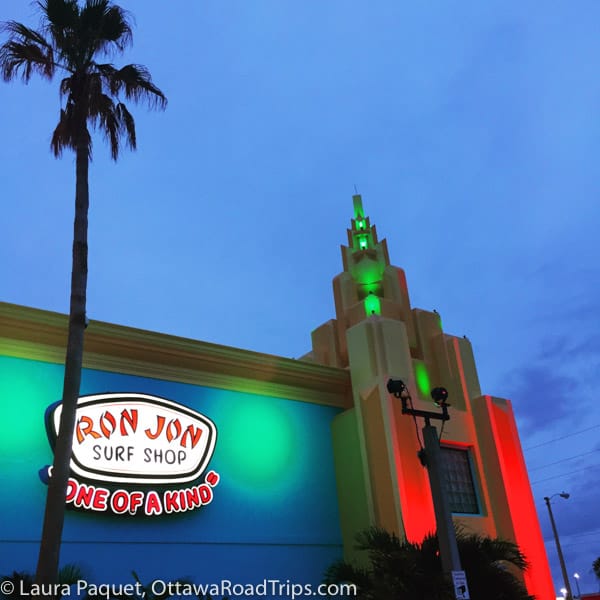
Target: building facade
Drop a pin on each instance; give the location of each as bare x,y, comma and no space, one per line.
377,335
203,461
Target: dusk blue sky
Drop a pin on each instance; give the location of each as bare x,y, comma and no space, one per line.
472,131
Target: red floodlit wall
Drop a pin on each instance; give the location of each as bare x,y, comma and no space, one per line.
520,499
415,493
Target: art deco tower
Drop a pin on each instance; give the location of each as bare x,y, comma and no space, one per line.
376,335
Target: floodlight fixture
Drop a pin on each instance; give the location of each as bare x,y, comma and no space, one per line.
440,396
396,387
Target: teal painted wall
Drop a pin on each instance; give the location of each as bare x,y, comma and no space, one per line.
275,509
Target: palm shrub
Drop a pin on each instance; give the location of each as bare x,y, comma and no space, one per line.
402,570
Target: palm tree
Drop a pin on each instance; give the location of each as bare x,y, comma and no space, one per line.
402,570
72,39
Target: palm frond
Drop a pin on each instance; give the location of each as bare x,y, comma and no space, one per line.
114,121
21,580
71,37
65,86
70,574
127,125
377,540
596,567
135,82
343,572
492,550
60,14
402,570
61,18
67,133
25,51
61,137
104,115
23,33
105,26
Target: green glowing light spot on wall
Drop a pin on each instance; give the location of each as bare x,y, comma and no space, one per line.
360,224
422,377
26,390
367,271
372,305
362,243
257,443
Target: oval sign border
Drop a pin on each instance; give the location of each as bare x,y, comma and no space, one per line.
53,414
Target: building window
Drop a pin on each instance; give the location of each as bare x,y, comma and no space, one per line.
458,479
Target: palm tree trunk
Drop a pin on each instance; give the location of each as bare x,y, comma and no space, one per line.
48,560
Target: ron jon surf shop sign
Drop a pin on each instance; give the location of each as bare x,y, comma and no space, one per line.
134,444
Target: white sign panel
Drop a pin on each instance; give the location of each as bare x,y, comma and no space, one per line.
138,438
461,589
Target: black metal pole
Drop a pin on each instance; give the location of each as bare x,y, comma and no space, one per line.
561,558
445,526
433,459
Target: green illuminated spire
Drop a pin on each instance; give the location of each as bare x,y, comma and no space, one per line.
365,258
368,290
362,235
359,212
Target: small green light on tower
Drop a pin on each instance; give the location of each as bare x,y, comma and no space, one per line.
422,378
362,243
360,224
372,305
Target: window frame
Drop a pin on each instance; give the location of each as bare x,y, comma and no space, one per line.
468,450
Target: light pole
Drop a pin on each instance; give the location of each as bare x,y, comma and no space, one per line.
576,575
561,558
432,459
